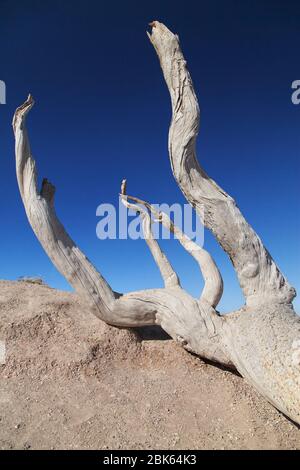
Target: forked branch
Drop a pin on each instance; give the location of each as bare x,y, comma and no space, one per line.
168,274
213,282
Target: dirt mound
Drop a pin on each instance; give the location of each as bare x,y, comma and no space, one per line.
72,382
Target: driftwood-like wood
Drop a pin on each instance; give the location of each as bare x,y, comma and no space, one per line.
259,340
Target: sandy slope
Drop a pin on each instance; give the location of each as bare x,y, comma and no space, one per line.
72,382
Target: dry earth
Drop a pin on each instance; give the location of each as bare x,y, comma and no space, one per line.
72,382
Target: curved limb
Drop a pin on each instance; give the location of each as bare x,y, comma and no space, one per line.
213,282
259,277
168,274
61,249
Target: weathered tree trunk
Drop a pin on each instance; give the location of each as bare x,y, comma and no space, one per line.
261,339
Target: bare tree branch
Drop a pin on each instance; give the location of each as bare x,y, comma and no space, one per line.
63,252
213,283
258,274
167,272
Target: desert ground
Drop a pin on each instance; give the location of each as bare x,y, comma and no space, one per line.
72,382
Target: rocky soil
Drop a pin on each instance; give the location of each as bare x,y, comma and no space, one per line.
71,382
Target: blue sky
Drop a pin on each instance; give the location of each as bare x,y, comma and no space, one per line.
102,113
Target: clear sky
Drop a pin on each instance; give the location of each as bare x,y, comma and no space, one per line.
102,113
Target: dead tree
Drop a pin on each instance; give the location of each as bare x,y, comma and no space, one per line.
261,339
